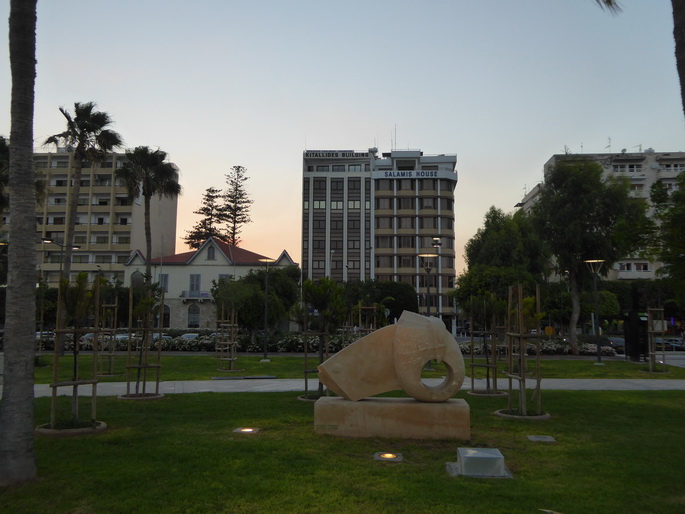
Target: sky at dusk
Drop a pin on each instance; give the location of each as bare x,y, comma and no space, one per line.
504,84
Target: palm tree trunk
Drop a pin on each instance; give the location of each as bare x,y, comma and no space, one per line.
17,458
679,36
575,313
148,242
71,216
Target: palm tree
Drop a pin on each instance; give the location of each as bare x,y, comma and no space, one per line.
17,457
4,173
89,137
678,35
147,173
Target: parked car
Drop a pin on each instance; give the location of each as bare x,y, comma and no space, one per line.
155,336
617,343
670,344
190,335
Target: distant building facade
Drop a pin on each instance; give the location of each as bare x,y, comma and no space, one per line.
187,279
108,225
642,169
367,216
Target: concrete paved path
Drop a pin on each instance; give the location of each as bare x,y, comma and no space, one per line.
296,385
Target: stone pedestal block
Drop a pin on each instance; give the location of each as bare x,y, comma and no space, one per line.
402,418
481,462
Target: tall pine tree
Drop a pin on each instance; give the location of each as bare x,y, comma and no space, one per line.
212,212
236,203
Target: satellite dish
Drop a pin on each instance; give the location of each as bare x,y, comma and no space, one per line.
623,150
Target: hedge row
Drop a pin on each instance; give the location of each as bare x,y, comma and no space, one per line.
294,342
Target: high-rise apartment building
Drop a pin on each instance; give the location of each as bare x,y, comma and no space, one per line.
108,224
368,216
642,170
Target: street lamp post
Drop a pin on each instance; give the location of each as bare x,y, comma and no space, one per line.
61,252
595,265
428,267
436,244
266,262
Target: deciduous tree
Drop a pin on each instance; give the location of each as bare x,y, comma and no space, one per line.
582,216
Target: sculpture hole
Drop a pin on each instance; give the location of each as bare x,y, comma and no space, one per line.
435,374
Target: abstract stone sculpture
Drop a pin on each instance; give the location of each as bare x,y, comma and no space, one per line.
392,358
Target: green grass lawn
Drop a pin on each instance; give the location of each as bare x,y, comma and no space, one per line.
615,452
204,367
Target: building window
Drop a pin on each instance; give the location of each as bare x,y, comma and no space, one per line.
319,204
322,168
384,203
641,266
193,316
336,225
336,245
103,259
319,224
337,206
446,204
383,261
405,242
427,203
338,167
429,223
406,222
407,203
195,283
384,242
353,244
164,282
354,204
319,244
406,184
383,222
354,167
383,185
211,253
353,224
407,261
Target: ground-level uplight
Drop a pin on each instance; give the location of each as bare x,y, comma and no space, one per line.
388,457
246,430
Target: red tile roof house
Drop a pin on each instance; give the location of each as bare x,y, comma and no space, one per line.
187,279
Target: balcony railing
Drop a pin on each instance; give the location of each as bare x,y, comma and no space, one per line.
196,294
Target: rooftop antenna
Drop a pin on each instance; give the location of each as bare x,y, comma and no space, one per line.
609,145
581,147
639,148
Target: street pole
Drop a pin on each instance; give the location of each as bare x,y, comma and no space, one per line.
595,265
266,310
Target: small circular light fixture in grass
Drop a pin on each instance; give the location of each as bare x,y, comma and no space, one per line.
388,457
246,430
